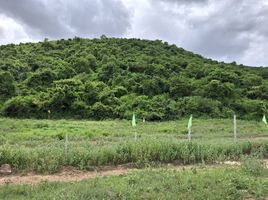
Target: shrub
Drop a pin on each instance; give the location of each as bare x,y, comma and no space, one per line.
252,165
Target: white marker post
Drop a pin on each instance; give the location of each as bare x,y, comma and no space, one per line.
134,126
66,146
189,134
235,134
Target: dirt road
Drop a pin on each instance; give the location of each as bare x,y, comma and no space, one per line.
69,174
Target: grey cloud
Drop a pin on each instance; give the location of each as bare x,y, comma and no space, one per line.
218,29
230,30
184,1
35,15
60,18
218,42
95,17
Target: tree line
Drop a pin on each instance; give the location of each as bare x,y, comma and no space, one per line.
111,77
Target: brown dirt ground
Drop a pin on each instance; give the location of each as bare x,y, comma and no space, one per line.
70,174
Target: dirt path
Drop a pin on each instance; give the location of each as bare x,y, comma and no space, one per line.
66,175
69,174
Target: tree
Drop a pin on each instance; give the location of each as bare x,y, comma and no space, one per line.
258,92
101,111
84,64
217,90
107,71
64,93
41,78
250,80
223,75
110,77
180,86
7,85
23,106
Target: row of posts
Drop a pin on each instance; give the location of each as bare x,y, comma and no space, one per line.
135,135
235,133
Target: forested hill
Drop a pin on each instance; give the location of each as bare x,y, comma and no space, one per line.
111,78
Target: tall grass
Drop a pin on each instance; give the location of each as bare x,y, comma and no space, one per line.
39,144
50,158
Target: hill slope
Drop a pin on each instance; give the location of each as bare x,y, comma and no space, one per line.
110,78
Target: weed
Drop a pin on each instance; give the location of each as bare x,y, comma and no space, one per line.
252,165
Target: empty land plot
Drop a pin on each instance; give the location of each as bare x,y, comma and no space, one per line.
39,145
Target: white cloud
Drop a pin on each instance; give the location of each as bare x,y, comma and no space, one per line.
226,30
11,31
69,18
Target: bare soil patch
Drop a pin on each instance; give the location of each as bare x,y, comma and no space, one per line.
70,174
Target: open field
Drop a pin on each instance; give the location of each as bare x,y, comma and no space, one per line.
38,145
21,131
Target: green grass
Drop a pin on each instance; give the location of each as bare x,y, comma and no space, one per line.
197,183
20,130
39,144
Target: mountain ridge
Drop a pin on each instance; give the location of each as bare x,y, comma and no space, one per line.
112,77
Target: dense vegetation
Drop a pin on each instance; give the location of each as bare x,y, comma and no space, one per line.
221,183
111,78
39,145
149,152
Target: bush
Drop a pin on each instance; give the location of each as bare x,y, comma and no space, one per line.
41,78
252,165
7,85
101,111
23,106
200,106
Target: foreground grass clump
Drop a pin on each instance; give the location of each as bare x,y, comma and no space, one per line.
253,165
220,183
51,157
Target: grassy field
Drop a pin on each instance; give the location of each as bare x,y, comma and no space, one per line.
247,182
15,130
38,145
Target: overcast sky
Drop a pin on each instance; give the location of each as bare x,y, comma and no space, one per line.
228,30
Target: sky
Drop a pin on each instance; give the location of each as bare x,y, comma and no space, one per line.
225,30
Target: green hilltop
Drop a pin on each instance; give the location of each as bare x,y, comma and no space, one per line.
111,78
